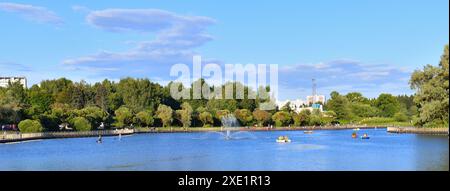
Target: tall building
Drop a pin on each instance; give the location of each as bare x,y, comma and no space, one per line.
4,81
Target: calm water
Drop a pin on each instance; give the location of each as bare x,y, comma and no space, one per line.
323,150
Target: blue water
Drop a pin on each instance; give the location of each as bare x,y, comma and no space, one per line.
322,150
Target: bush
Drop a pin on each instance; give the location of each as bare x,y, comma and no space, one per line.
401,117
81,124
30,126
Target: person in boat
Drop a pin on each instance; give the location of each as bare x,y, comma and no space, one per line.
99,140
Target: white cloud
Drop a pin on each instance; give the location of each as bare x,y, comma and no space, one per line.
31,12
12,66
343,76
176,36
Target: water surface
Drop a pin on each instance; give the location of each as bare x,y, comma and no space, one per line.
322,150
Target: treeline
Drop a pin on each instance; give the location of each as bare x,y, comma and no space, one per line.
54,105
130,101
142,103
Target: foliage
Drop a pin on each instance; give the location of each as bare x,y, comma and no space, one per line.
165,113
432,93
244,116
185,114
261,116
340,105
124,116
144,119
281,118
206,118
387,104
401,117
81,124
30,126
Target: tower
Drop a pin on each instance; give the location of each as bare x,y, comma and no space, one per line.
314,91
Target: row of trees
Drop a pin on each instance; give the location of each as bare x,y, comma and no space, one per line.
144,103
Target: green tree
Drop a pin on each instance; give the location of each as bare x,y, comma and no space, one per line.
185,114
340,105
244,116
206,118
400,116
30,126
124,116
281,118
261,116
432,93
144,119
93,114
165,113
81,124
387,104
302,118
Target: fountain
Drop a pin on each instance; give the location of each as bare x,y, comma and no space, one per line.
230,130
228,123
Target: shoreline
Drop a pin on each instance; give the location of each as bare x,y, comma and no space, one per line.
20,137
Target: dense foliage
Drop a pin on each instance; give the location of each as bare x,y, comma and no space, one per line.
432,93
30,126
143,103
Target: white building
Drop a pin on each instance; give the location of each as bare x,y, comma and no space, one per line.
4,81
315,99
299,105
296,105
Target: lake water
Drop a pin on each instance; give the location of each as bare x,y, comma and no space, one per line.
322,150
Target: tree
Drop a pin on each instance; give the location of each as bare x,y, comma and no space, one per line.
39,100
261,116
30,126
363,110
81,124
387,104
432,93
340,105
93,114
185,114
124,116
165,113
244,116
222,113
302,118
281,118
9,114
400,116
144,119
356,97
287,107
206,118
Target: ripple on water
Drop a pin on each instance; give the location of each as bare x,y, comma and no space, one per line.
301,147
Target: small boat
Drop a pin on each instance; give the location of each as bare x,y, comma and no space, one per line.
308,132
357,129
283,139
365,136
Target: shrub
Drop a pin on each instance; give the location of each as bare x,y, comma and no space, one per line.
400,116
30,126
81,124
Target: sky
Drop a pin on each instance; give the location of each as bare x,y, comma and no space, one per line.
369,46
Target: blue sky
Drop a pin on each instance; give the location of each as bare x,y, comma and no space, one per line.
348,45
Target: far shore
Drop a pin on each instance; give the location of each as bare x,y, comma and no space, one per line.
19,137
